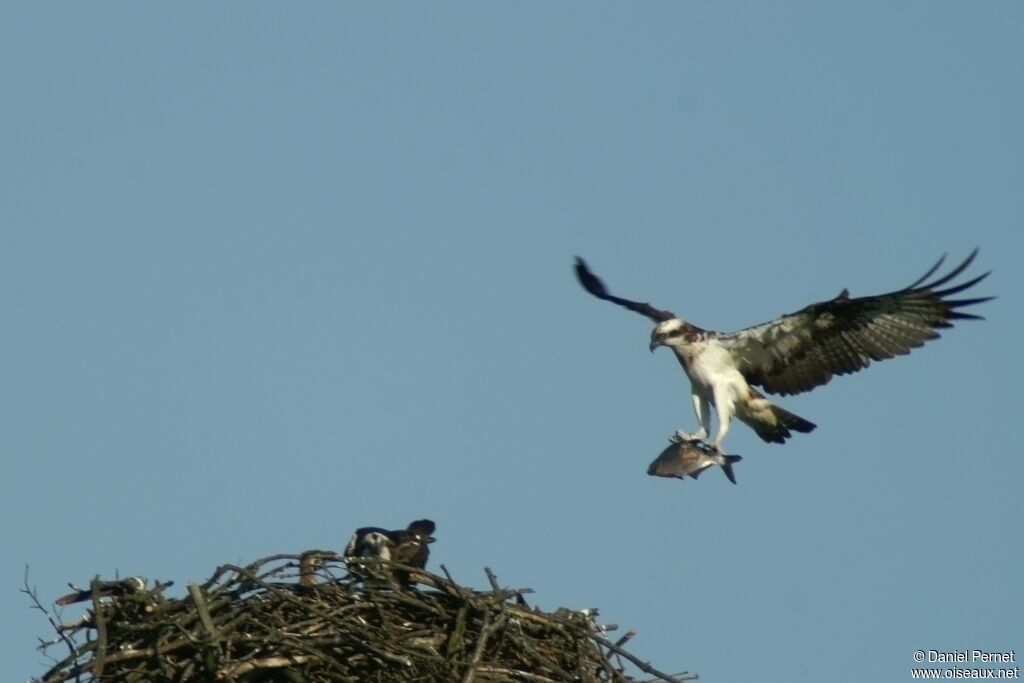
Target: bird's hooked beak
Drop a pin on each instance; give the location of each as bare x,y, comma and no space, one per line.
657,339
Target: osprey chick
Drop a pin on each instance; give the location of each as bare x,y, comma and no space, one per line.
405,546
797,352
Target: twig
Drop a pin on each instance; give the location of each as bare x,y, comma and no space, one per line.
478,651
492,578
210,643
196,593
36,604
101,629
645,666
256,619
486,630
625,638
267,663
516,674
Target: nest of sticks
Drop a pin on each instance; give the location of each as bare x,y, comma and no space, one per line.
316,618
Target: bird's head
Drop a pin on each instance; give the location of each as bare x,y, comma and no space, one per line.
374,544
423,529
668,332
134,584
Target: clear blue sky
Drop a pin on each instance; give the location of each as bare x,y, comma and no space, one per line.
271,272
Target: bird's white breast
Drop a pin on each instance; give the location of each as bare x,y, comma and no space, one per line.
708,365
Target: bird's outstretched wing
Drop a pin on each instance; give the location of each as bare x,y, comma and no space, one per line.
593,284
126,586
803,350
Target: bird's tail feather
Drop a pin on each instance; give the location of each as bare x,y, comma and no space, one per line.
775,428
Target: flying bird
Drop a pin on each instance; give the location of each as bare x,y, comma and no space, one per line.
407,546
799,351
689,458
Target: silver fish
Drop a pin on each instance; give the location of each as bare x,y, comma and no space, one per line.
683,458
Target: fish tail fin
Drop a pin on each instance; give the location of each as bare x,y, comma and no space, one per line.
726,466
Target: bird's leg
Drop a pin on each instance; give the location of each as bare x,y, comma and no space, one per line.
703,411
724,408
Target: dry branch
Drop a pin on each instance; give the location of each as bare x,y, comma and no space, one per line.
289,618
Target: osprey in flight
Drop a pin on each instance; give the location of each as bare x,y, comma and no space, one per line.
798,351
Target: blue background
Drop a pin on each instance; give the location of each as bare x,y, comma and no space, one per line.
269,272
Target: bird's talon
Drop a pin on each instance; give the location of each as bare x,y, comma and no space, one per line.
680,436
